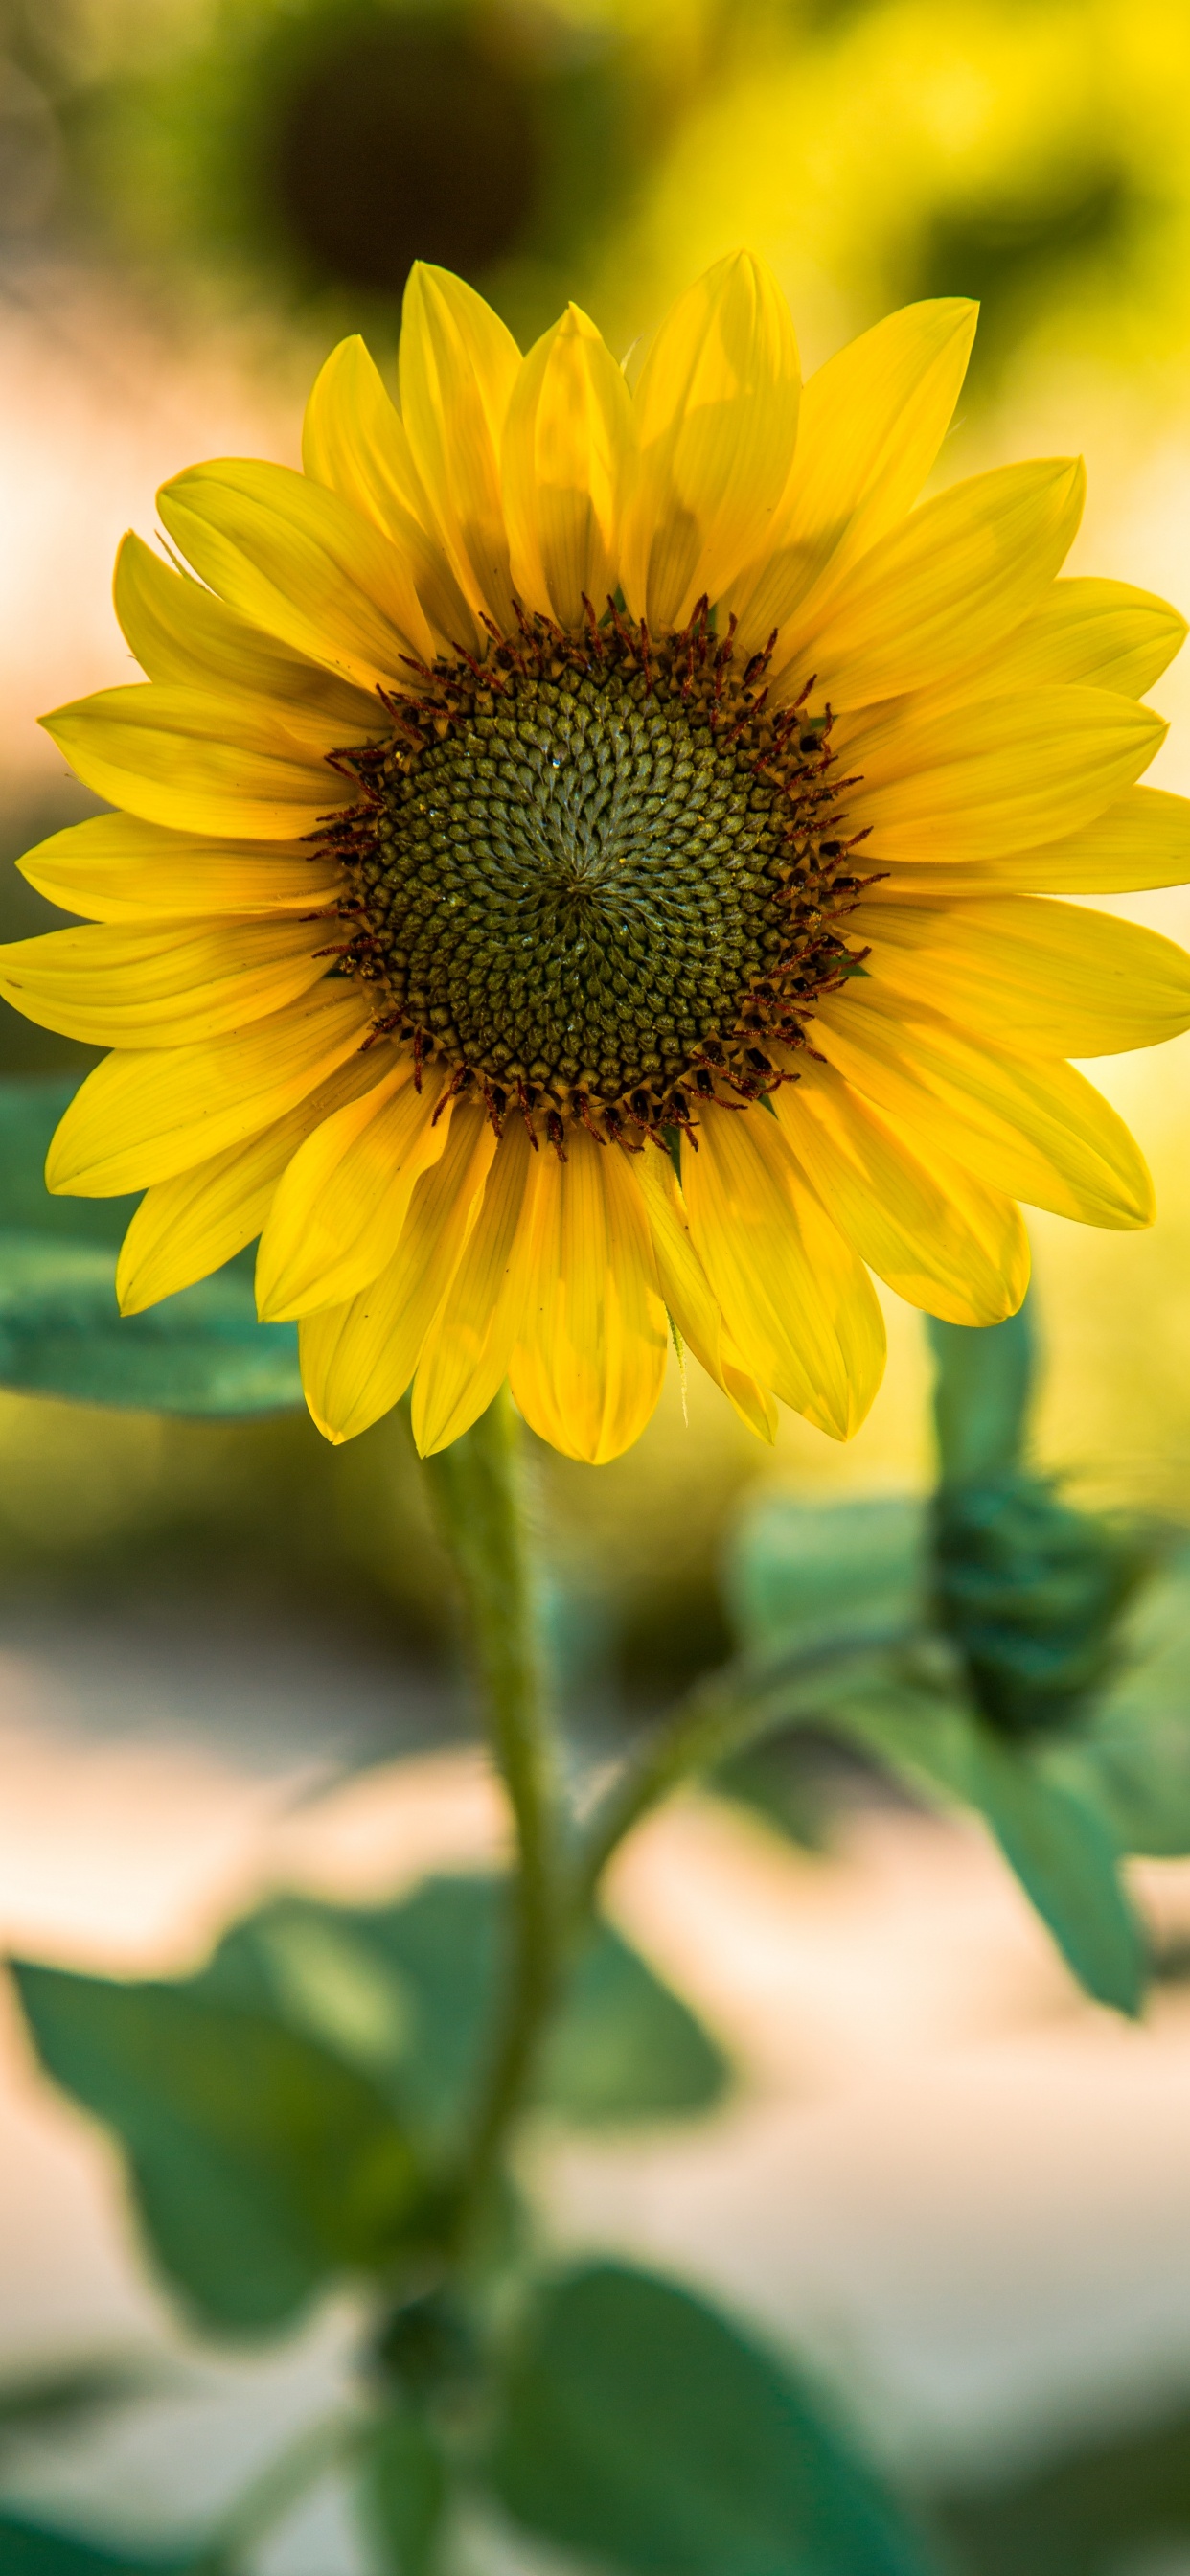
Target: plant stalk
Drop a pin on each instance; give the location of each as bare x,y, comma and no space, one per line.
271,2497
723,1715
479,1482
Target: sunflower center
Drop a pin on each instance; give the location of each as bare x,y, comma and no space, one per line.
590,873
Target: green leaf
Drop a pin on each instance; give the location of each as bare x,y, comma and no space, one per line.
802,1577
982,1392
29,2549
625,2047
200,1352
1121,2502
639,2427
403,2494
61,1331
410,1993
772,1780
1136,1746
1054,1833
29,1112
1062,1848
261,2164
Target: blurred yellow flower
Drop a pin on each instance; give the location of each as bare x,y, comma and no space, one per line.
559,788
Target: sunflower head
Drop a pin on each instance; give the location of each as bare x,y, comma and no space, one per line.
583,867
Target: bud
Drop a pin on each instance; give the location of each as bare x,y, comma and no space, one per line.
1030,1591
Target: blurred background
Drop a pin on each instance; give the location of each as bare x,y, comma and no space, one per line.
966,2191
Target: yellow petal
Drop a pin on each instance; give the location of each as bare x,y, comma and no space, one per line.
458,366
588,1367
189,1226
716,415
160,984
568,452
872,422
1103,633
355,443
299,562
691,1299
358,1359
938,1236
1029,1126
140,1117
1055,977
465,1356
799,1304
196,764
118,868
339,1210
181,633
1142,839
996,776
961,572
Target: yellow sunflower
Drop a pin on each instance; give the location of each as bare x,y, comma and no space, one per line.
584,870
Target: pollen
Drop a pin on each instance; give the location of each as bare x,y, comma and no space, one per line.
594,875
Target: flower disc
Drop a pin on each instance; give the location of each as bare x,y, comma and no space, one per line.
591,870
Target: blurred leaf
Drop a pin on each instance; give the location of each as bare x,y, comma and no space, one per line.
802,1577
625,2047
1136,1747
201,1352
61,1331
410,1992
70,2395
1052,1830
982,1389
638,2427
770,1779
403,2494
28,2549
1118,2504
261,2164
29,1112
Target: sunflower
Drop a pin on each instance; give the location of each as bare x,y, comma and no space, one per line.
585,866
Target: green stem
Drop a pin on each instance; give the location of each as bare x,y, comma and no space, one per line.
722,1715
272,2496
480,1491
717,1719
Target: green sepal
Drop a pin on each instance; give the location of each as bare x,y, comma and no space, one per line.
640,2428
1031,1593
261,2165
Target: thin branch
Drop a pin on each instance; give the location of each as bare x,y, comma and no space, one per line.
721,1716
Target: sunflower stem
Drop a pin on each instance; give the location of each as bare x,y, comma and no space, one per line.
718,1718
724,1714
479,1484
